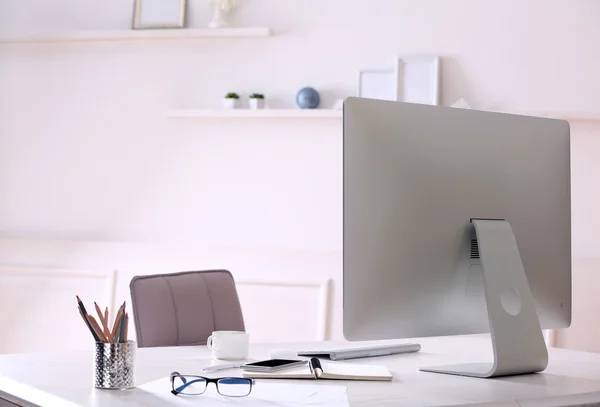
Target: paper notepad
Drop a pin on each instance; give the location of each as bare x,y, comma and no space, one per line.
318,369
158,394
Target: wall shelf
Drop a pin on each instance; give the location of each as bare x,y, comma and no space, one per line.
136,35
337,114
572,116
575,116
260,113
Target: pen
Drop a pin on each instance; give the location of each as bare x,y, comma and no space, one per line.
222,367
315,367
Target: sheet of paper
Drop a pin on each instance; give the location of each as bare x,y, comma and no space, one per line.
355,370
158,394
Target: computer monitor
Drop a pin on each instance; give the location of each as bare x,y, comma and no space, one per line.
431,194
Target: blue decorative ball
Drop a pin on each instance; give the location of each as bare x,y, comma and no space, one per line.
308,98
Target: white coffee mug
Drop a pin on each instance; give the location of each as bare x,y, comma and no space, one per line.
228,345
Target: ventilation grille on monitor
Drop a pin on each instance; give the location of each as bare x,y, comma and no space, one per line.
474,249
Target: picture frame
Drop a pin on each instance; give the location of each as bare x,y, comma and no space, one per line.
418,79
157,14
377,84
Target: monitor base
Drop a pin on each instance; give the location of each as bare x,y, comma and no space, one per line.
465,369
517,338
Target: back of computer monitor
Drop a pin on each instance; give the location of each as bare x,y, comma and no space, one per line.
413,178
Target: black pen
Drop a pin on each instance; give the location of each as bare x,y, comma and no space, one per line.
315,367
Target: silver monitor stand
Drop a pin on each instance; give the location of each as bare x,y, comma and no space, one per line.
517,338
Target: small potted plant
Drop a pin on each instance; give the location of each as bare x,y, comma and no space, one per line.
257,101
231,100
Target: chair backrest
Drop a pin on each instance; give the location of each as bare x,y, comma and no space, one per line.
179,309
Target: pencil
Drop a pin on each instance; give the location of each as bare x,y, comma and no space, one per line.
97,329
103,321
86,323
106,329
123,322
119,333
81,305
126,326
99,312
83,314
116,323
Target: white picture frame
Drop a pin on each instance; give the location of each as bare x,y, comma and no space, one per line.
377,84
156,14
418,79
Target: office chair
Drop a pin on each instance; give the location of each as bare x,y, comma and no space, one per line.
184,308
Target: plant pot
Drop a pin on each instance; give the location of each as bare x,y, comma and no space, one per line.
256,103
230,103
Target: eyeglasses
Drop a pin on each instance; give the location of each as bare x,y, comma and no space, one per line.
196,385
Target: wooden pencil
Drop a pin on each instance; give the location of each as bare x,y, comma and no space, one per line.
84,315
103,320
116,323
81,305
99,312
97,329
86,321
121,329
126,326
106,329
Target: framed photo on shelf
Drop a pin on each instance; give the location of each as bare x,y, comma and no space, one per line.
377,84
418,79
152,14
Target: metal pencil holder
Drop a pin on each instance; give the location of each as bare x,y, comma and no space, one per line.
114,365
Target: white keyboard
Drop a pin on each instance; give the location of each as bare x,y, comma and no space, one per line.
363,352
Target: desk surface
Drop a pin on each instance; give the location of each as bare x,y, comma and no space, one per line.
572,378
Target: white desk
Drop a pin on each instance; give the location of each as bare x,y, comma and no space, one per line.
572,378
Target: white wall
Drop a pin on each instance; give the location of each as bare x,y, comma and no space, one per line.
585,168
87,154
84,130
584,331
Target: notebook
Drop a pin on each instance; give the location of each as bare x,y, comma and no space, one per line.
325,370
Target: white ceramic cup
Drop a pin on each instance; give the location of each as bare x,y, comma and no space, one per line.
229,345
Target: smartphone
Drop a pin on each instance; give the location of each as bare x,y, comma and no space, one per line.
272,365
